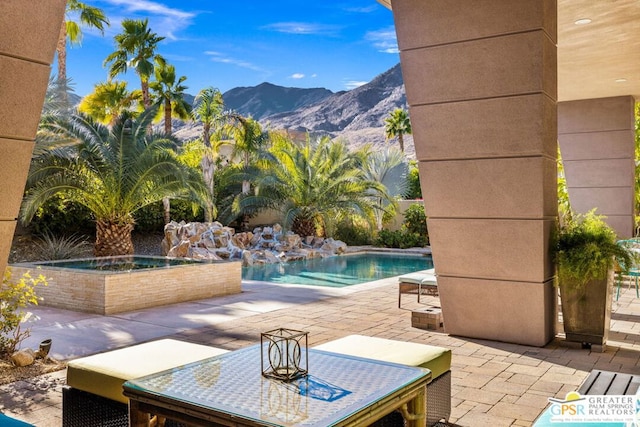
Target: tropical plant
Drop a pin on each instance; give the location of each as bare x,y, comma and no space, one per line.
207,109
136,47
389,168
313,184
109,100
52,247
170,94
14,297
413,178
72,31
564,204
249,141
112,171
586,249
397,125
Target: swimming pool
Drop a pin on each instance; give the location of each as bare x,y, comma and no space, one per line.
339,271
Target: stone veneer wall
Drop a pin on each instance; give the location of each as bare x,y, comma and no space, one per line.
597,143
28,36
481,82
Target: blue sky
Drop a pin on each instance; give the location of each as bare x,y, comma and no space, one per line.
225,44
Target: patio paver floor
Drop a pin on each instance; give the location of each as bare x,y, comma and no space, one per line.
494,384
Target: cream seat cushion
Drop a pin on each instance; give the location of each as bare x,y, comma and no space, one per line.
436,359
103,374
426,277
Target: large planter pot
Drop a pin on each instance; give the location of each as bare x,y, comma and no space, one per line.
586,310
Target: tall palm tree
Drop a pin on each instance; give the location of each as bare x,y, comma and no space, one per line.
170,93
72,31
113,172
313,184
108,101
136,46
398,125
207,109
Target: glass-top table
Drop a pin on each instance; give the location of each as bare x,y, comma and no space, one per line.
229,389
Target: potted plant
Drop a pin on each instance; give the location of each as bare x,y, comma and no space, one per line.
586,253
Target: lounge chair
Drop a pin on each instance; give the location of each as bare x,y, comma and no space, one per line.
420,283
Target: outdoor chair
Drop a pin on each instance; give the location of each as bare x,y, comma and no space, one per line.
634,272
420,283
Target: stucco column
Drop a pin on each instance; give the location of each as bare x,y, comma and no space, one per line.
597,143
481,84
28,35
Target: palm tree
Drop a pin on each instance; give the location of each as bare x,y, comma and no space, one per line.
313,184
113,172
136,46
207,109
170,93
70,30
249,141
397,125
389,168
108,101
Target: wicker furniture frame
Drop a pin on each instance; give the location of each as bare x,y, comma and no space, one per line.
241,397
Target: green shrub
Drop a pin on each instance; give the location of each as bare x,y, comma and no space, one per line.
14,297
150,219
413,232
413,178
353,234
415,220
399,239
59,216
51,247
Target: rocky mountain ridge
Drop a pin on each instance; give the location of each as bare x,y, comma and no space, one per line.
356,116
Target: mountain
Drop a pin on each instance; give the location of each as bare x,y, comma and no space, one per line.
356,116
267,99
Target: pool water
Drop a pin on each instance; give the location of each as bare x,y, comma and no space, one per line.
339,271
118,263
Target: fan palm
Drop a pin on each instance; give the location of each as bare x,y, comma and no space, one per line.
113,172
313,184
389,168
71,30
397,125
136,46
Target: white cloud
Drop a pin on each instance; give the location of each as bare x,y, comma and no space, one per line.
364,9
224,59
383,40
352,84
165,21
314,75
301,28
297,76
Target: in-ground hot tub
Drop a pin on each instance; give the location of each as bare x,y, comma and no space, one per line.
116,284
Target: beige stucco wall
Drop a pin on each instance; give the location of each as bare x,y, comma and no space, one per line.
597,143
28,36
482,86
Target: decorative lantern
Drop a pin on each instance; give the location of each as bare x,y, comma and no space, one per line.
281,354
